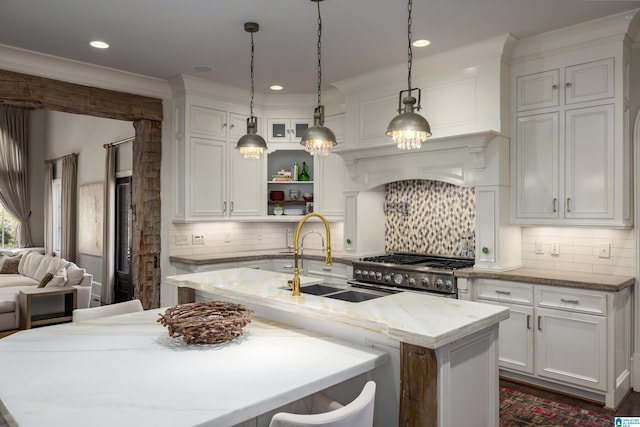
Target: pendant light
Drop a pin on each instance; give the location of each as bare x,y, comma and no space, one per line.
318,139
251,145
409,129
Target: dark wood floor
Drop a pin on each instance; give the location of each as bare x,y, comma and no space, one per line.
630,406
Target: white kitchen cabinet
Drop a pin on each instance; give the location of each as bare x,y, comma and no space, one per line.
287,130
568,151
213,180
571,339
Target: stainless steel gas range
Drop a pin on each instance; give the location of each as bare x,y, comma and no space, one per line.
410,271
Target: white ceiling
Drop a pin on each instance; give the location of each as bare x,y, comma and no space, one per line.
165,38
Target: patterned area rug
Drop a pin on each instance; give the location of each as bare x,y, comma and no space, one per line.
520,409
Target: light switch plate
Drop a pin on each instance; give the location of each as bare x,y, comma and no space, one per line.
182,239
604,250
539,247
197,239
555,248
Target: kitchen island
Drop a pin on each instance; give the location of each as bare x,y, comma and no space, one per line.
444,352
126,371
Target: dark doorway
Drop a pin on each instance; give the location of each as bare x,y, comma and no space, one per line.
123,288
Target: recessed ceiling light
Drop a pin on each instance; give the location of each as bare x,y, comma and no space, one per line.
203,68
421,43
99,44
276,87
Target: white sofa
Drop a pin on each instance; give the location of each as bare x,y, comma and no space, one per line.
32,268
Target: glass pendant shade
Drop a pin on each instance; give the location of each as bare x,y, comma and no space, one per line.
251,145
318,139
409,129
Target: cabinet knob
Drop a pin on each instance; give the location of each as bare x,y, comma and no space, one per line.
568,84
554,87
555,204
568,204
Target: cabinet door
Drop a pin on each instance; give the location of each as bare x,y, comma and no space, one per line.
538,90
329,197
516,338
245,184
207,178
238,126
537,148
589,165
571,347
208,122
286,130
589,82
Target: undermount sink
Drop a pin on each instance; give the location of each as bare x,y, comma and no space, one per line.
343,294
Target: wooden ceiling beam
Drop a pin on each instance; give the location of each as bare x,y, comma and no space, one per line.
40,92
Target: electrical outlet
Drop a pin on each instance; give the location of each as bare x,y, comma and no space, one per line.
227,237
604,250
197,239
555,248
539,247
182,239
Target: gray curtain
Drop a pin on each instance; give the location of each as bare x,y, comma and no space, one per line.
108,240
48,208
69,208
14,172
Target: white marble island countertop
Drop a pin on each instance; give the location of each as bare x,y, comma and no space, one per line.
423,320
126,371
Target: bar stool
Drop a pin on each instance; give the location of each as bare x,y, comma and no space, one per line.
358,413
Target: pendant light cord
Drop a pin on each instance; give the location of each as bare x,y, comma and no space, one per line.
252,86
319,53
410,62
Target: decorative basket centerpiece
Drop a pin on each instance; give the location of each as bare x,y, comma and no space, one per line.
212,322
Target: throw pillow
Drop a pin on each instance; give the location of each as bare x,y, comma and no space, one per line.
59,279
45,279
74,274
10,264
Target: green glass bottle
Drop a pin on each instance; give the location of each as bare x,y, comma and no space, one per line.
304,174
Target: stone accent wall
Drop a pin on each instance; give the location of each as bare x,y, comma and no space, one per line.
438,215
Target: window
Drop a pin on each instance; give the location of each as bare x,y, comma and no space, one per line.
8,226
56,204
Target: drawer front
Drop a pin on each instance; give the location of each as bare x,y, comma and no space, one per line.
500,290
569,300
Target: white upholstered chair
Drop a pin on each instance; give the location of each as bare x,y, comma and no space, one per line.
81,314
358,413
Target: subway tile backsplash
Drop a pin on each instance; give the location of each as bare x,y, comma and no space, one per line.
225,237
579,249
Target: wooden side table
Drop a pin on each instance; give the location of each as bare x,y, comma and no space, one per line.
27,296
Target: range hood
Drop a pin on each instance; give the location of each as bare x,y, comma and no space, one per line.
471,160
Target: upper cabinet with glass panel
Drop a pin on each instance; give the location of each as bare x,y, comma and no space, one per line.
287,130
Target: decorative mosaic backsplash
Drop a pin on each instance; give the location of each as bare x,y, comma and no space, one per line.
437,215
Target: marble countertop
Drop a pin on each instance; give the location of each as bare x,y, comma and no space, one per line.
201,259
601,282
126,370
420,319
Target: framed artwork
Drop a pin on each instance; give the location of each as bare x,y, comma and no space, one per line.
90,218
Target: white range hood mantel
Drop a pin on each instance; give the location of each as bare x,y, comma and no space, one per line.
475,144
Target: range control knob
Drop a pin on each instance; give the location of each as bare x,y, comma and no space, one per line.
448,285
379,277
397,279
412,282
365,273
425,282
387,278
372,274
358,272
439,284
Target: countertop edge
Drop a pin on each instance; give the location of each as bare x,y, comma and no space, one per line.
594,281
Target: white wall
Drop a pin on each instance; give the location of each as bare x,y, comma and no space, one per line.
63,133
